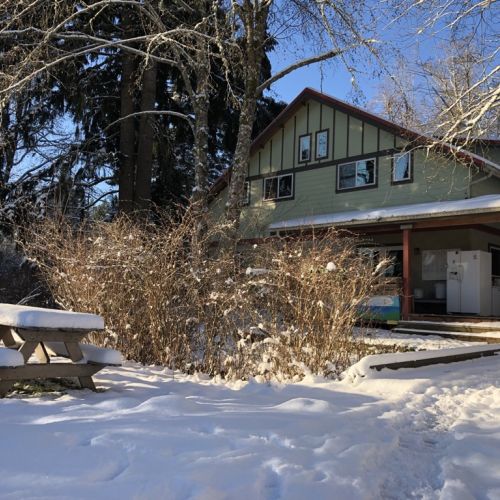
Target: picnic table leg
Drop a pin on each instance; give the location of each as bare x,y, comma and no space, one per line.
26,350
5,386
7,337
75,354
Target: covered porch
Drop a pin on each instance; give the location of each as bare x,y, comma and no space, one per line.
419,238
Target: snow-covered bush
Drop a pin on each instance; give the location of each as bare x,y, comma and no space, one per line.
287,308
304,306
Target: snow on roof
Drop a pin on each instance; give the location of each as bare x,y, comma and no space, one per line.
489,203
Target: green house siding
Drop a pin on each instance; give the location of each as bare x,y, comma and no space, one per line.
340,135
482,185
350,138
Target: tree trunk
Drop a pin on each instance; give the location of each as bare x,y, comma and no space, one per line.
127,137
255,20
144,170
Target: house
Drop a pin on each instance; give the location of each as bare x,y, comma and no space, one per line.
326,163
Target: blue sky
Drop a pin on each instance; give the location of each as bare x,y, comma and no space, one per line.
333,80
403,38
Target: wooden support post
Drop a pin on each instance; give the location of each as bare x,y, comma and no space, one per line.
407,295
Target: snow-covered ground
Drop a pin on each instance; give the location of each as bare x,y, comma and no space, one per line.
431,432
379,336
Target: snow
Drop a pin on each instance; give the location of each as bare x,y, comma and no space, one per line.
363,368
37,317
431,432
487,203
256,271
487,325
387,337
9,358
91,353
331,267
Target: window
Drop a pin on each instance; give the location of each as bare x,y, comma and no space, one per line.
245,198
356,174
279,187
304,148
495,260
376,254
321,144
401,168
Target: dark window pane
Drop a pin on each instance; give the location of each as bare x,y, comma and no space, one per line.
245,199
285,186
495,261
365,172
396,267
347,176
270,188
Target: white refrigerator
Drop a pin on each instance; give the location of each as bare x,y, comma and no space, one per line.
468,282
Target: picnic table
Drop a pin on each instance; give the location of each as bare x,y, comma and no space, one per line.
49,334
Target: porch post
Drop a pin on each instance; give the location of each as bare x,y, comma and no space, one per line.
407,295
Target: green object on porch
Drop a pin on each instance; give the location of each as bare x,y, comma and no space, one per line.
382,308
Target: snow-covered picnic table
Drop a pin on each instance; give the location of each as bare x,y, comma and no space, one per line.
48,332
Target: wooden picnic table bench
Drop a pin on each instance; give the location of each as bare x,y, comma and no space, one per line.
47,333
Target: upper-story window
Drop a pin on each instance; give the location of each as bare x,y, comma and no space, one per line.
279,187
321,144
357,174
304,148
402,168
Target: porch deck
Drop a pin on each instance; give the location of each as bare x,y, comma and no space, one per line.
472,328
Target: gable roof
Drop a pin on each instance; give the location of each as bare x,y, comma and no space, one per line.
309,93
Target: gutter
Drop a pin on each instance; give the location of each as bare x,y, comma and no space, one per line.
369,222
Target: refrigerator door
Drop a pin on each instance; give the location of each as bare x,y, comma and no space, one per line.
453,281
471,281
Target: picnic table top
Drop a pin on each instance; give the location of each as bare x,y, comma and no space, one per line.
37,317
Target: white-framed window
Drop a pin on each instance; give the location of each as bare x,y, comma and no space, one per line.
356,174
304,148
322,144
402,167
245,197
279,187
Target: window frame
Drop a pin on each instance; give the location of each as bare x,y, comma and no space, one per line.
495,248
374,184
278,197
310,148
245,200
393,167
327,131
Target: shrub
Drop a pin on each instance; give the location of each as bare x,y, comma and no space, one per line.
289,310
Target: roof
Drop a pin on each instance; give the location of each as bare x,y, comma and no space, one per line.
309,93
400,213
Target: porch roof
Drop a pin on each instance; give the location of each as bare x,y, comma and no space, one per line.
400,213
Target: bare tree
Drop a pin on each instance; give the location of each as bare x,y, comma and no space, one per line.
463,84
335,29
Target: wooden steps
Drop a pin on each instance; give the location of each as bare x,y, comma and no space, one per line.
478,331
426,358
